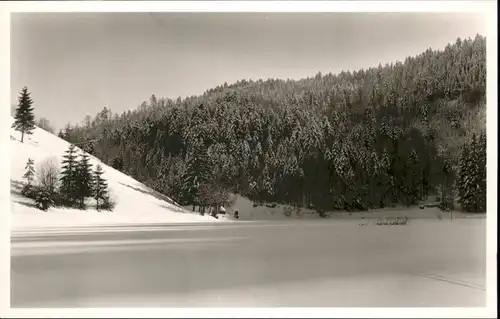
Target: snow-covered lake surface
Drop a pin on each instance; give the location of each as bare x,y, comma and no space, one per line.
427,263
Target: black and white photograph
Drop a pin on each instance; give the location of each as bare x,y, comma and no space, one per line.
238,159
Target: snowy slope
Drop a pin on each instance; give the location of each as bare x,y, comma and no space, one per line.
136,203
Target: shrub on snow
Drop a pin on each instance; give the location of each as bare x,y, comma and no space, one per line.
43,198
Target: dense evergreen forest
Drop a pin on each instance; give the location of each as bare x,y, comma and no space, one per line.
392,134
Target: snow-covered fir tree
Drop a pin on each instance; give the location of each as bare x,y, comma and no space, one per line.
24,118
100,187
30,171
69,184
84,178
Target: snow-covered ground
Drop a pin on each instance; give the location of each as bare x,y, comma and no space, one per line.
248,212
135,202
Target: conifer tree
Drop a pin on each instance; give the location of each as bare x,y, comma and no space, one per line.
447,188
30,171
473,173
43,198
69,182
413,182
24,119
191,183
481,177
463,177
197,172
117,162
100,186
84,178
29,175
472,178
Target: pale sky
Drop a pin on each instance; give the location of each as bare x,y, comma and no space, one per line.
76,63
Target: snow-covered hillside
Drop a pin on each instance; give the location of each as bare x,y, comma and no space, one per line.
135,202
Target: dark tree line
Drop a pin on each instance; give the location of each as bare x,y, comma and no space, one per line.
356,140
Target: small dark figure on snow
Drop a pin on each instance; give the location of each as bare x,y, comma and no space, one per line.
236,215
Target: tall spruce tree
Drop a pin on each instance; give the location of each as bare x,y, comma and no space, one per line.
481,177
84,178
472,178
463,180
100,186
69,176
447,185
412,182
473,172
24,119
197,172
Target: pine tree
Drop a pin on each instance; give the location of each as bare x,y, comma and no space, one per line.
29,175
473,173
472,179
89,147
197,173
24,119
69,181
60,134
30,171
412,181
463,177
117,162
481,177
190,184
100,186
43,198
84,178
447,183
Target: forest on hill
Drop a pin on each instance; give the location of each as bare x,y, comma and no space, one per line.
391,134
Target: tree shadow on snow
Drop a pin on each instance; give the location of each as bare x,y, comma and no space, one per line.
27,204
175,209
16,187
151,192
